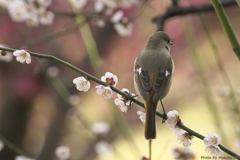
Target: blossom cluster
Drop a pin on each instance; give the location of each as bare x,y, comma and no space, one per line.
22,56
35,12
182,136
32,12
110,8
82,84
211,140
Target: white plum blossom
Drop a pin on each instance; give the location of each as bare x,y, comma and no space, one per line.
5,55
22,158
142,116
40,3
98,6
126,101
212,139
7,58
121,105
211,142
46,18
117,16
123,28
32,12
104,6
36,7
110,79
78,4
104,149
122,102
184,138
82,84
32,20
18,11
173,119
62,152
106,92
22,56
213,150
100,128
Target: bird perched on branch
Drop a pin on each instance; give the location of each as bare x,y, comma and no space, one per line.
153,70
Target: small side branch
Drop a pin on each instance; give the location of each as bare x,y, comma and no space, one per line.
181,11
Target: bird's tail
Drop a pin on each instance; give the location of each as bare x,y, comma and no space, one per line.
150,127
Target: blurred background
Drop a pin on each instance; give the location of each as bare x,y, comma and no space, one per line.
41,109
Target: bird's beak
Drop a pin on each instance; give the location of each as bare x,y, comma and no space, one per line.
171,43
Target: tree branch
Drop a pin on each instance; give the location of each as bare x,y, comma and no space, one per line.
181,11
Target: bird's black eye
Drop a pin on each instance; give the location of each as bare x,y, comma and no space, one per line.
169,42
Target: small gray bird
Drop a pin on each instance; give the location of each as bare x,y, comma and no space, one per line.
153,70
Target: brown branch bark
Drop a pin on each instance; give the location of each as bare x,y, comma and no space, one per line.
181,11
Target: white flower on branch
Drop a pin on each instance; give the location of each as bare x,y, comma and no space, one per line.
110,79
5,55
18,11
78,4
214,150
22,56
121,105
184,138
82,84
126,101
122,102
124,28
212,139
106,92
117,16
173,119
35,6
100,128
211,142
142,116
46,18
62,152
104,6
32,20
22,158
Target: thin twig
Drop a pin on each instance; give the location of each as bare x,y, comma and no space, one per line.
49,37
14,147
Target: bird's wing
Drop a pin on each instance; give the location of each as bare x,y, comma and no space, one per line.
162,84
142,79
